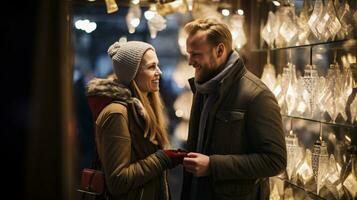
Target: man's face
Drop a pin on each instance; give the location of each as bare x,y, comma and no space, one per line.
202,56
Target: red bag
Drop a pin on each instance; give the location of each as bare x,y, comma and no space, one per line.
92,184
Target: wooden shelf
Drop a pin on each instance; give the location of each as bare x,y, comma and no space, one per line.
304,45
351,126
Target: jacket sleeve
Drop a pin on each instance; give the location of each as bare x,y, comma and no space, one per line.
266,140
114,143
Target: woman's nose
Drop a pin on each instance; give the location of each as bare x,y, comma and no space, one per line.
158,71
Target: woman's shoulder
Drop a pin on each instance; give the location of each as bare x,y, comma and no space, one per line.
119,107
114,108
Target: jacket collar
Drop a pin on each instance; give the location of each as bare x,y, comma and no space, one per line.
101,92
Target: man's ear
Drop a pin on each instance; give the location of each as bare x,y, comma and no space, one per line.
220,49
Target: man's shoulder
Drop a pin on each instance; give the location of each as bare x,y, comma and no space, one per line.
250,86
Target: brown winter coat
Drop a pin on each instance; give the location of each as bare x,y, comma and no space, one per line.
244,139
132,170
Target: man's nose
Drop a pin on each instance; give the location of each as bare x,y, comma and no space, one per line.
190,61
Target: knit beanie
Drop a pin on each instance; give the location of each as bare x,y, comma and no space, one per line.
126,57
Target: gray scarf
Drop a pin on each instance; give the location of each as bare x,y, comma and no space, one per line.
210,86
209,89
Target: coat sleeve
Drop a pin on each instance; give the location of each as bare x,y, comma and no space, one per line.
266,139
114,143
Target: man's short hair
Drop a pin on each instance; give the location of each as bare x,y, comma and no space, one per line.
216,31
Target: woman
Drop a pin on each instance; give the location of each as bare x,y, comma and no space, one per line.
130,124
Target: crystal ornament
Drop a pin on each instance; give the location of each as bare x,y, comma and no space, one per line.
268,76
156,23
315,16
302,23
293,151
304,172
320,160
236,23
133,17
270,30
310,81
331,183
288,27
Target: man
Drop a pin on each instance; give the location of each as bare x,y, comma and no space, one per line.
235,136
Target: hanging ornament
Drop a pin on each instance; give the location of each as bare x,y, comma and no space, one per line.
331,183
319,160
156,23
315,16
274,195
271,29
236,23
310,82
111,6
301,102
288,29
302,22
291,95
349,175
133,17
328,25
268,76
178,6
294,153
304,171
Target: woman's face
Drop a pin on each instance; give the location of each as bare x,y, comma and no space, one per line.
149,73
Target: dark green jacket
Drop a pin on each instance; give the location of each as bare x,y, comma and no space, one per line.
244,139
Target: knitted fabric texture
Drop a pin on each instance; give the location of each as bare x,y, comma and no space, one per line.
126,57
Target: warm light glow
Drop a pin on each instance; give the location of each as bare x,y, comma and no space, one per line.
318,56
149,14
135,22
348,138
123,39
135,2
276,3
190,4
225,12
240,12
85,25
179,113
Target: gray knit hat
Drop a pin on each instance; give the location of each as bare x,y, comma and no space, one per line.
126,58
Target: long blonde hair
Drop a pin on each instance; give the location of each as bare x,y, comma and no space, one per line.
155,117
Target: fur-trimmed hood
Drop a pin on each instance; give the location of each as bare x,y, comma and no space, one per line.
101,92
108,88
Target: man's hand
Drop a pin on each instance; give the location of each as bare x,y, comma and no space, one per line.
197,164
